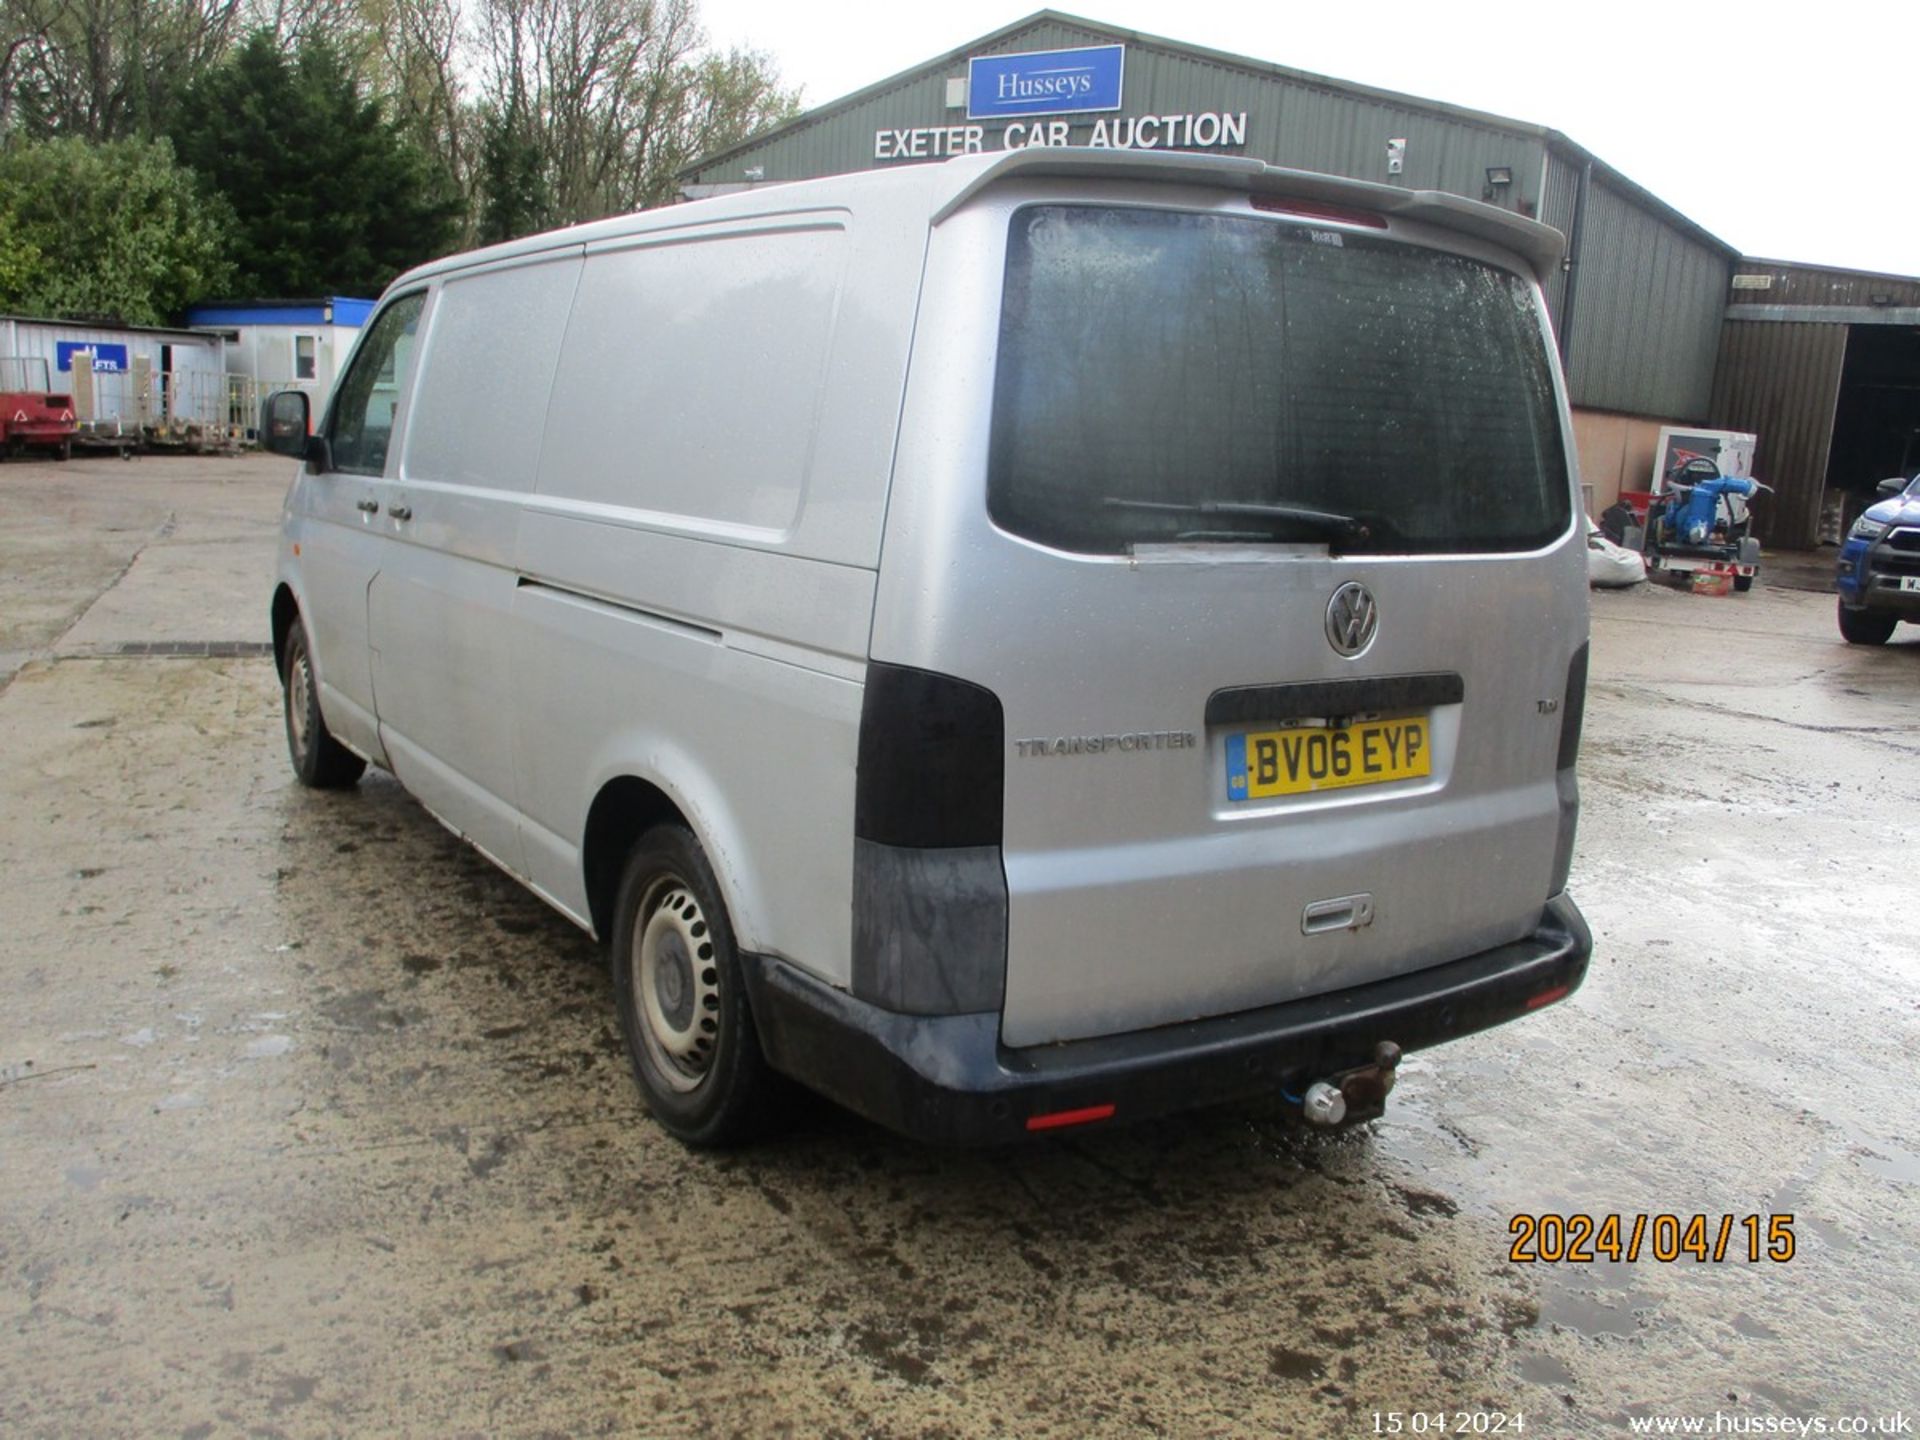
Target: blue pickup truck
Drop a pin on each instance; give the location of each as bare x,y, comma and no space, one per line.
1879,579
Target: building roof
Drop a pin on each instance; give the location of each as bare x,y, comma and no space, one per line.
68,323
1258,69
320,310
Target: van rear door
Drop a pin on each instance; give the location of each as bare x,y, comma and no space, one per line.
1265,543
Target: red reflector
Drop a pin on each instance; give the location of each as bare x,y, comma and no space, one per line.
1314,210
1058,1118
1547,997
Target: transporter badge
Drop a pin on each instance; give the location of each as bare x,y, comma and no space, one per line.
1352,619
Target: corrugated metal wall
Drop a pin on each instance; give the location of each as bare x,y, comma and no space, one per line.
1290,121
1648,301
1804,285
1781,381
189,353
1646,311
1559,197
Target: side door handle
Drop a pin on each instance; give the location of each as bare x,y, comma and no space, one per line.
400,512
371,507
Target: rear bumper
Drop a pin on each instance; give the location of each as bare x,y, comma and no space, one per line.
949,1080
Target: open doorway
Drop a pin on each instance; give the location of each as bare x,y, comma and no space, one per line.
1876,423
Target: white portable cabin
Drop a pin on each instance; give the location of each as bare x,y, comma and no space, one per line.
286,344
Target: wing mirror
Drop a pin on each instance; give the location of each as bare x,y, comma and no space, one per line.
289,419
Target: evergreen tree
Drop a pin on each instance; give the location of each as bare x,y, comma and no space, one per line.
330,198
512,182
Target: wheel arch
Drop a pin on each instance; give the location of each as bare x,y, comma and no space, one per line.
623,810
285,611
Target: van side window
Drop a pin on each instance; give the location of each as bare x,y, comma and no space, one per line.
361,425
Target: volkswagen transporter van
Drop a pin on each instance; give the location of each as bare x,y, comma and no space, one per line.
1028,641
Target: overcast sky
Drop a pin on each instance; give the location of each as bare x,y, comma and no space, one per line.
1789,132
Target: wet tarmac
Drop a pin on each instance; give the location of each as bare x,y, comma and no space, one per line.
311,1123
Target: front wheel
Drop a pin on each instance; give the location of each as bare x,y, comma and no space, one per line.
1865,627
682,998
320,761
1742,584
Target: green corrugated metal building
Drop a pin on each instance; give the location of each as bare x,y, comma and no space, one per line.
1639,303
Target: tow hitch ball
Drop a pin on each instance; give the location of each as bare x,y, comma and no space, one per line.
1353,1095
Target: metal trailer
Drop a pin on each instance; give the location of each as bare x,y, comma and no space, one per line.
32,412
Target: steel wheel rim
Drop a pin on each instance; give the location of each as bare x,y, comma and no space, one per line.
674,971
299,698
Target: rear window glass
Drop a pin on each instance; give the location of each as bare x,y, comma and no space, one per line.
1169,378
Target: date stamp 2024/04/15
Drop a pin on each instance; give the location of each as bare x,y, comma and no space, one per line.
1576,1239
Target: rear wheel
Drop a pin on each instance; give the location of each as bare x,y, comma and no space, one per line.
319,760
682,998
1742,584
1865,627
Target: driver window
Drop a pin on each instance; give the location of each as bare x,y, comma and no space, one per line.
362,422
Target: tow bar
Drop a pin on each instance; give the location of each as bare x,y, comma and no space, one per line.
1352,1095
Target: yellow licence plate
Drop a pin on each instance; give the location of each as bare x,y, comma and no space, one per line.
1306,758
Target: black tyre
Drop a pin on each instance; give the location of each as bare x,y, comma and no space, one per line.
1864,627
683,1002
319,760
1742,584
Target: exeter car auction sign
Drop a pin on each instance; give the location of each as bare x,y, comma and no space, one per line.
1208,130
1042,84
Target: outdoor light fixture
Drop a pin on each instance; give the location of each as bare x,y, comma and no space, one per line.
756,172
1498,178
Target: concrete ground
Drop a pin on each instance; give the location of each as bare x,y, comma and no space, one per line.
311,1123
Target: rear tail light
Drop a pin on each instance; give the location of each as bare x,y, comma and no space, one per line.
929,887
1315,210
933,759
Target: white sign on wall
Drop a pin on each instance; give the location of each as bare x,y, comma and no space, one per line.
1205,130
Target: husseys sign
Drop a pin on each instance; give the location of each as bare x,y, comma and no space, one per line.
1052,82
1019,94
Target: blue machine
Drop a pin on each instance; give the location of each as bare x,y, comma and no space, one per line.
1693,520
1700,524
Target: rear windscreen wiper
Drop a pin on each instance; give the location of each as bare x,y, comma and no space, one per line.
1328,523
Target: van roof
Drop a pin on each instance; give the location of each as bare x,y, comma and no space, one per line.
937,190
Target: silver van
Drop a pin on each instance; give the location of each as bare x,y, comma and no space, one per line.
1022,642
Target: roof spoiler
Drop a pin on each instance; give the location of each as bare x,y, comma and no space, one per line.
1540,245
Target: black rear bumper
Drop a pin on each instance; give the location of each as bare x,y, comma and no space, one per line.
949,1080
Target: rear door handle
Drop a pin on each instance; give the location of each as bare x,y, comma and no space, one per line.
400,512
372,507
1347,912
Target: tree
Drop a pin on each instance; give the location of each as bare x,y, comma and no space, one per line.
513,190
329,196
417,65
593,105
116,230
105,69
